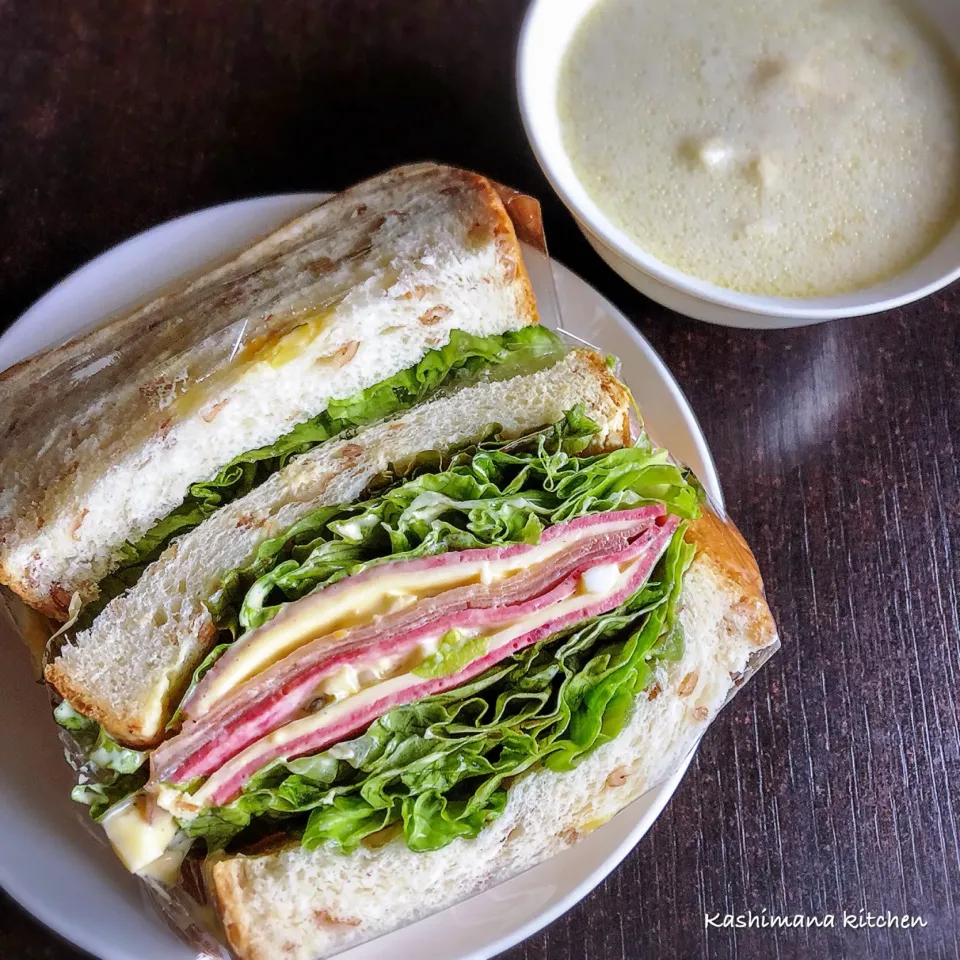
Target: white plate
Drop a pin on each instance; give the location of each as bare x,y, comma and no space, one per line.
53,864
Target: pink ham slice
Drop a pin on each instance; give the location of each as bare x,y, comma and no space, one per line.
201,743
227,783
276,698
625,523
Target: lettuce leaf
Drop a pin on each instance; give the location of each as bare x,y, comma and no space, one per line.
440,768
107,771
498,492
517,351
453,653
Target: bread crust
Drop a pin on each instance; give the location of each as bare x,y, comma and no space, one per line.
617,432
227,897
123,727
49,604
724,566
720,542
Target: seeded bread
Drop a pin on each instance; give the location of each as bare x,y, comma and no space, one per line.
102,437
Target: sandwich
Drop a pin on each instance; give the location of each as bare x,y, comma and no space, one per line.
416,657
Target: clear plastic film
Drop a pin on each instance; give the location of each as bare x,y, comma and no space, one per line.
33,628
528,222
196,340
527,219
187,910
715,532
186,906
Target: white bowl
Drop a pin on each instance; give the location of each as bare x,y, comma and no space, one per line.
549,26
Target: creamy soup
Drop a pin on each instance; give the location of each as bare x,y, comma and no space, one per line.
782,147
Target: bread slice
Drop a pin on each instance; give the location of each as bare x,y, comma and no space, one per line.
130,668
102,437
304,905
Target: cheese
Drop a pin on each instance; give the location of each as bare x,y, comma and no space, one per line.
291,345
285,340
341,684
166,868
610,579
327,611
139,831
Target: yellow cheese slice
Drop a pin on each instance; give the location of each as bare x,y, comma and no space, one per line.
139,839
598,582
328,611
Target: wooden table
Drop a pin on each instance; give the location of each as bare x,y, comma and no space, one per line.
832,784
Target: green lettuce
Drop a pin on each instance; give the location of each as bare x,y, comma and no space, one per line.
440,768
494,493
108,772
453,653
464,355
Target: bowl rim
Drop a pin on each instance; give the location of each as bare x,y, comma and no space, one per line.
592,219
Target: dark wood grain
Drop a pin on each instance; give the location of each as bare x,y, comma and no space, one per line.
833,782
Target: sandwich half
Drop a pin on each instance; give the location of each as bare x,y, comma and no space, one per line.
412,663
122,440
287,899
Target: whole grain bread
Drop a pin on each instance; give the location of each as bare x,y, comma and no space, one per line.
103,436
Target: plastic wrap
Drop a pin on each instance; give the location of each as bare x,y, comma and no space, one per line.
186,908
205,335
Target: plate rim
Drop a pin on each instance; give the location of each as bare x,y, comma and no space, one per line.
82,937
